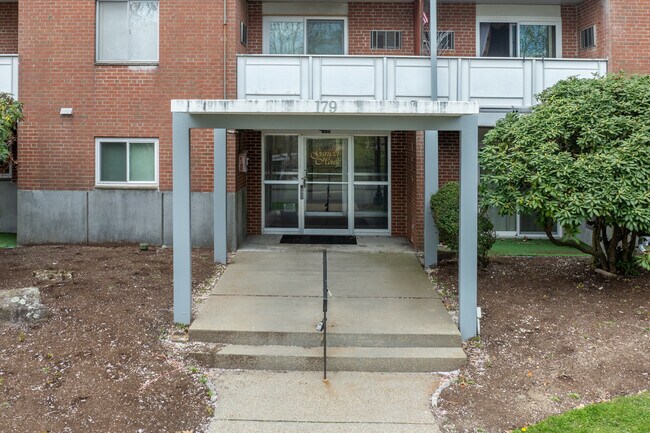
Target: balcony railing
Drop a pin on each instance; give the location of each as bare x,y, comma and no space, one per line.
492,82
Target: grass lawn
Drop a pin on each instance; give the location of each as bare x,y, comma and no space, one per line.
531,247
629,414
7,240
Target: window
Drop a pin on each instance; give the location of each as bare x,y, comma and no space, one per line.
512,39
446,40
301,35
5,170
588,37
243,33
122,162
371,183
127,31
385,39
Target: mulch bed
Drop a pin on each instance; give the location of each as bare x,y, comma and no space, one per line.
554,336
98,363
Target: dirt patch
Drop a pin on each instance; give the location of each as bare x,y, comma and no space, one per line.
100,362
554,336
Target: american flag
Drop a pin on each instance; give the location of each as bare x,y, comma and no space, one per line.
425,19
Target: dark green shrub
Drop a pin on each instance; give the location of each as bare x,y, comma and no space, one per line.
445,208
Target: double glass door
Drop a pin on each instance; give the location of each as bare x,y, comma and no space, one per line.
321,184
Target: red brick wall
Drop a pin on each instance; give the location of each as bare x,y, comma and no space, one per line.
622,33
448,157
448,171
9,28
589,13
400,147
255,27
461,19
415,189
113,101
252,141
570,36
365,16
629,23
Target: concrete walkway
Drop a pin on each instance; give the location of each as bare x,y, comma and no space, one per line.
297,402
270,294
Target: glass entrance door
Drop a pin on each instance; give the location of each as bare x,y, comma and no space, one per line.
325,184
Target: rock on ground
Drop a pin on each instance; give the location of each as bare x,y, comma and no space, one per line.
21,305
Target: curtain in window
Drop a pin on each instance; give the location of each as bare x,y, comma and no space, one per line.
113,30
485,39
143,30
142,162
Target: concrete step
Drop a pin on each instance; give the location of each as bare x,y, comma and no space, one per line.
370,359
312,339
291,321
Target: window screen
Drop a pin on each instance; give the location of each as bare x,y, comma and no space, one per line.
588,37
446,40
385,39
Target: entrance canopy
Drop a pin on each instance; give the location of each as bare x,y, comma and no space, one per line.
338,115
350,115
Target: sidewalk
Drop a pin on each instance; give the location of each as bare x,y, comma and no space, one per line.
270,402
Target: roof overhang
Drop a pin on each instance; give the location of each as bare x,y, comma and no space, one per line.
284,107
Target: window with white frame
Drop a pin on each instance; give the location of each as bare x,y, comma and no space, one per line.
127,31
305,35
516,39
132,162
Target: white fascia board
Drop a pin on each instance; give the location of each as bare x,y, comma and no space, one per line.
324,107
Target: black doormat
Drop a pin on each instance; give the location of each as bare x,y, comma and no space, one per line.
318,239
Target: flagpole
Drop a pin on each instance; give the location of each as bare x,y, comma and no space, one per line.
433,47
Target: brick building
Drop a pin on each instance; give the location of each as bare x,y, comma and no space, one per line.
96,77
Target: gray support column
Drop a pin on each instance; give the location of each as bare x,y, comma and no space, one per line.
430,187
468,247
181,213
433,44
220,197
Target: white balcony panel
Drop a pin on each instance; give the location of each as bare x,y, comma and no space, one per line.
553,71
348,77
412,78
496,82
273,77
9,75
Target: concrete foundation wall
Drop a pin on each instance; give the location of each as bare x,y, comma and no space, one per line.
236,218
8,207
53,217
202,219
118,216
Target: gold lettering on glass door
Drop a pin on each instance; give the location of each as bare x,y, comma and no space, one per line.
327,157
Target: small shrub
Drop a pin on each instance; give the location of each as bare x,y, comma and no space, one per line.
445,208
11,112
